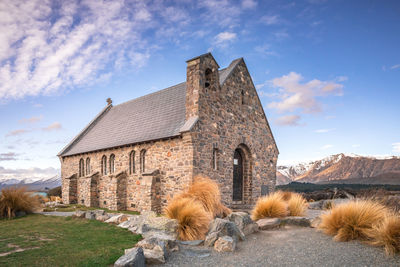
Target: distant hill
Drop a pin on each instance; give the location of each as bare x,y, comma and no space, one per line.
342,168
38,185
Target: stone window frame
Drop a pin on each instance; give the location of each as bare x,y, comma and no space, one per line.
112,163
215,157
81,168
143,160
104,165
132,166
87,166
207,77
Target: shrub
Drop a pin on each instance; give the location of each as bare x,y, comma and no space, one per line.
192,218
352,220
15,199
297,205
387,234
270,206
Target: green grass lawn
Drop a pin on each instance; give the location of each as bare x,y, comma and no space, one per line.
75,207
62,241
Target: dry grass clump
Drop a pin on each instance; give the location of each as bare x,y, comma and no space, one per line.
352,220
270,206
15,199
287,195
387,234
297,205
192,218
195,208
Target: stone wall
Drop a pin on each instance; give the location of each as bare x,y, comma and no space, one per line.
122,190
232,117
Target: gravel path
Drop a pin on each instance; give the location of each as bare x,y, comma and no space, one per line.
57,213
292,246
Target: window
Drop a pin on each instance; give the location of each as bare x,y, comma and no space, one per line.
143,160
87,166
112,159
207,78
81,168
104,165
242,98
215,159
132,162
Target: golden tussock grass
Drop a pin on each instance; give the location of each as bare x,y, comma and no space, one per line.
352,220
272,205
386,234
287,195
192,218
15,199
297,205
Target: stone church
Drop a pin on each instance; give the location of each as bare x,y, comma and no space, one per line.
138,154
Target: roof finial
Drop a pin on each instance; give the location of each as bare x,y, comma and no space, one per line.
109,101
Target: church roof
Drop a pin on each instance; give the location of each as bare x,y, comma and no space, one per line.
151,117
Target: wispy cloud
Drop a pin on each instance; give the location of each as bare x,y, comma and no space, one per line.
324,130
8,156
271,19
395,66
288,120
326,147
249,4
223,38
295,95
17,132
265,50
53,127
33,119
396,147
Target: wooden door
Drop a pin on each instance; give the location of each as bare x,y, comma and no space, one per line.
237,176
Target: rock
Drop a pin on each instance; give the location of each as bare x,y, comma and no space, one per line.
79,214
221,227
225,244
155,250
99,212
117,219
134,258
192,242
158,224
317,205
268,223
298,221
102,218
315,222
133,223
199,253
171,243
20,213
243,222
90,215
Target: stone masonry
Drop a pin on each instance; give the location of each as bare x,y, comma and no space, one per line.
227,117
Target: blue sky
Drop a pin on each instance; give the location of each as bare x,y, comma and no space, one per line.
327,72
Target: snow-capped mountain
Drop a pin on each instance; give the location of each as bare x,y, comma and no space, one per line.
343,168
33,184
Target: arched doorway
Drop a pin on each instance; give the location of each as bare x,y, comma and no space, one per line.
238,175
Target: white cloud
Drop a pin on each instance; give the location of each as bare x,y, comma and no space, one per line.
39,56
341,78
270,19
326,147
249,4
223,13
31,173
295,95
396,147
8,156
288,120
324,130
395,66
33,119
53,127
223,38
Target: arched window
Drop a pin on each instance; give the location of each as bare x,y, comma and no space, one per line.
215,159
104,165
112,159
207,78
132,162
143,160
242,98
81,168
87,166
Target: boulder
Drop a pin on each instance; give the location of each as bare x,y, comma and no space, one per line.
243,222
134,258
192,242
315,222
225,244
102,218
268,223
154,249
221,227
162,224
118,218
79,214
99,212
133,223
297,221
90,215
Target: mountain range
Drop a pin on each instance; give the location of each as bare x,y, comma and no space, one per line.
343,168
33,185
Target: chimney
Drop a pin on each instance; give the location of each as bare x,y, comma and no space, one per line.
109,101
201,77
